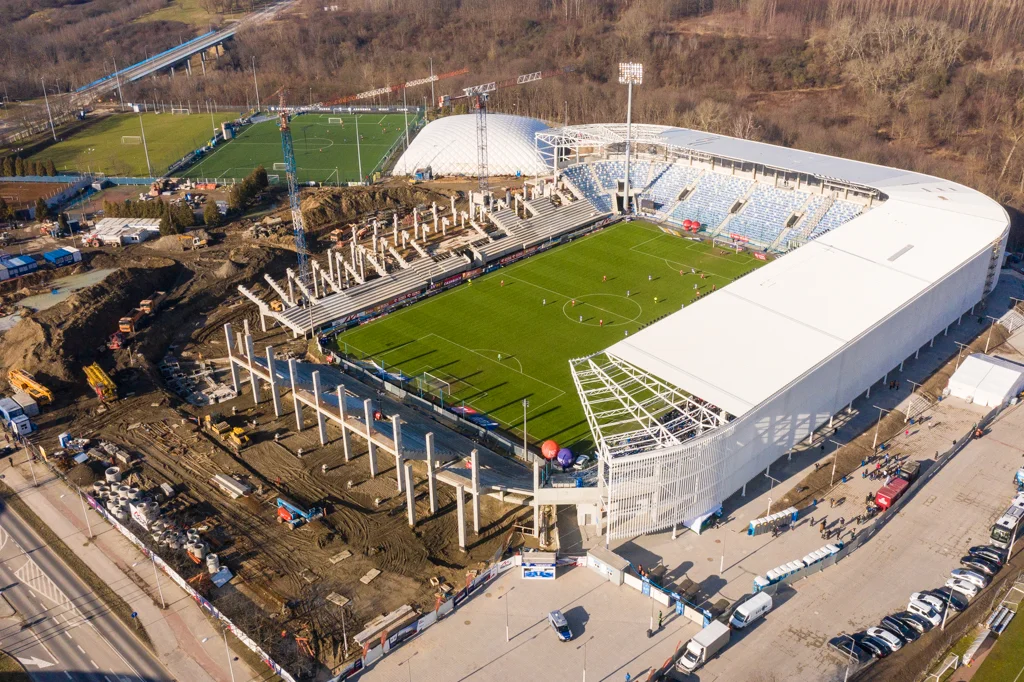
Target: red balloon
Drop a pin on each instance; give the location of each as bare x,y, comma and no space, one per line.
549,449
687,223
695,225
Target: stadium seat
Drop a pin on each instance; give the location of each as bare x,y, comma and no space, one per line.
765,213
711,199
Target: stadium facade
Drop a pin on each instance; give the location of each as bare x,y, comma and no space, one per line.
689,409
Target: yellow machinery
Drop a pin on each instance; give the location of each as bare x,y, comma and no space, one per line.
237,438
215,423
101,383
24,381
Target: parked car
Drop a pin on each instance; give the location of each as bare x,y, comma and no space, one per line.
977,563
560,625
581,463
951,597
993,554
970,590
899,628
875,647
970,576
890,640
938,604
846,647
925,610
914,621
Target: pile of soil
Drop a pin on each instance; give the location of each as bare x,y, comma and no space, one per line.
228,270
174,242
329,207
55,343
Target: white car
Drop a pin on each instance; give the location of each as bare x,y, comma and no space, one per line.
581,462
970,590
938,604
925,610
890,640
970,576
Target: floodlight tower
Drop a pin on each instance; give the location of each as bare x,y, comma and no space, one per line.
629,73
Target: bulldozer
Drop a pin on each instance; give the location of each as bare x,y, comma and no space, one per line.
215,423
234,437
237,438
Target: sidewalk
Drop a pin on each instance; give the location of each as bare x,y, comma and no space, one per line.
186,642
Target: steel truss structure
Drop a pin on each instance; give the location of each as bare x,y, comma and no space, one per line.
631,411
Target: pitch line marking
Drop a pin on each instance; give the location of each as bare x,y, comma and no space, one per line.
591,305
491,350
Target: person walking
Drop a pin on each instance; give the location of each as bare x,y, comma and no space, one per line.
659,620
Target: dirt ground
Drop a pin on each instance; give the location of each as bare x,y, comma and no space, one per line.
283,576
21,194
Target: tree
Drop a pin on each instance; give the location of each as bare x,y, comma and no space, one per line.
62,221
8,167
42,212
19,166
236,199
5,210
211,214
168,226
31,167
51,167
260,178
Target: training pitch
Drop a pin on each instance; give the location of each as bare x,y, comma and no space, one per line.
488,346
100,147
325,150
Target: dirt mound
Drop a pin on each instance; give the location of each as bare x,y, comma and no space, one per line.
56,342
328,207
174,242
229,269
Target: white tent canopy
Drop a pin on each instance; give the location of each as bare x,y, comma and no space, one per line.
986,380
448,145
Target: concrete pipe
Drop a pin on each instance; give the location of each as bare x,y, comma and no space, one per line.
113,474
212,563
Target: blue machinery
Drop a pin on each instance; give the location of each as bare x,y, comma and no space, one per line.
293,196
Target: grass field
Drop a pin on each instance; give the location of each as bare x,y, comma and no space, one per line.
1005,663
99,147
323,151
495,344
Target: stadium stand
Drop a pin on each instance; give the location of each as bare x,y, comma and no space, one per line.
711,199
638,174
669,183
765,213
839,213
583,180
546,221
609,173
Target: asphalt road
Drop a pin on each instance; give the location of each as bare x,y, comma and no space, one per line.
54,624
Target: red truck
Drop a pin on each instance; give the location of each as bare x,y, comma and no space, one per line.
889,493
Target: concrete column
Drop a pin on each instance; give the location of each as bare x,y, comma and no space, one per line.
474,458
849,408
431,475
275,391
344,425
396,435
250,356
917,354
263,321
901,366
743,493
885,378
410,495
931,344
291,290
235,384
868,394
296,405
460,506
321,420
371,449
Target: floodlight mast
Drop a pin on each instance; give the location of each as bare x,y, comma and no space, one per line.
629,73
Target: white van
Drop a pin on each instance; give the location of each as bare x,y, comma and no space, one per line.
750,610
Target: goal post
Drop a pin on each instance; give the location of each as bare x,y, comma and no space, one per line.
280,166
131,139
273,179
434,384
180,110
335,120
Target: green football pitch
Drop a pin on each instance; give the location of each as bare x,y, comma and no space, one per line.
509,335
113,144
325,149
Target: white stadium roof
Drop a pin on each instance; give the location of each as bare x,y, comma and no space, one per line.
777,323
448,146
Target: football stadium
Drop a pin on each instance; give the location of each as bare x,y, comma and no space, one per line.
687,307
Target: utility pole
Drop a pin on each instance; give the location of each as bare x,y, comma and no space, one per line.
359,155
255,83
48,114
144,147
405,110
526,404
117,78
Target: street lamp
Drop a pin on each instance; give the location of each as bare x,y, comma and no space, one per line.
629,73
874,443
835,459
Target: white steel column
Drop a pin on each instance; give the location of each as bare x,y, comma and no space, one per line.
474,458
235,384
344,422
431,475
296,405
371,449
275,391
536,507
410,495
251,360
321,420
460,507
396,436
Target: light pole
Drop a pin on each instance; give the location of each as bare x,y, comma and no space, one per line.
117,76
526,404
878,423
949,600
359,154
48,114
255,83
88,523
990,328
227,652
959,353
145,148
507,638
629,73
914,386
835,460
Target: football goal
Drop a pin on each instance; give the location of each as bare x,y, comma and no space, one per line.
336,120
280,166
433,384
131,139
274,179
180,110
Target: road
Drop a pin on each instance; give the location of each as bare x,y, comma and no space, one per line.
143,69
53,623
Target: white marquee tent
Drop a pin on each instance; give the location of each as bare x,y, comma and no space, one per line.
986,380
448,146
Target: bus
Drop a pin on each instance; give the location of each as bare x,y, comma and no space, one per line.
1004,532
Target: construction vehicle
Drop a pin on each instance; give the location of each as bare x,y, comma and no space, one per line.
101,383
193,243
216,424
129,324
235,437
150,305
276,305
291,513
116,341
24,381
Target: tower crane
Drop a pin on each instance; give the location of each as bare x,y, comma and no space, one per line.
284,123
479,94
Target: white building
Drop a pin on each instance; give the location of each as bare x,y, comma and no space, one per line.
449,147
688,410
124,231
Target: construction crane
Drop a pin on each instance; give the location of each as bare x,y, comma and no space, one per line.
394,88
479,94
101,383
293,193
24,381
